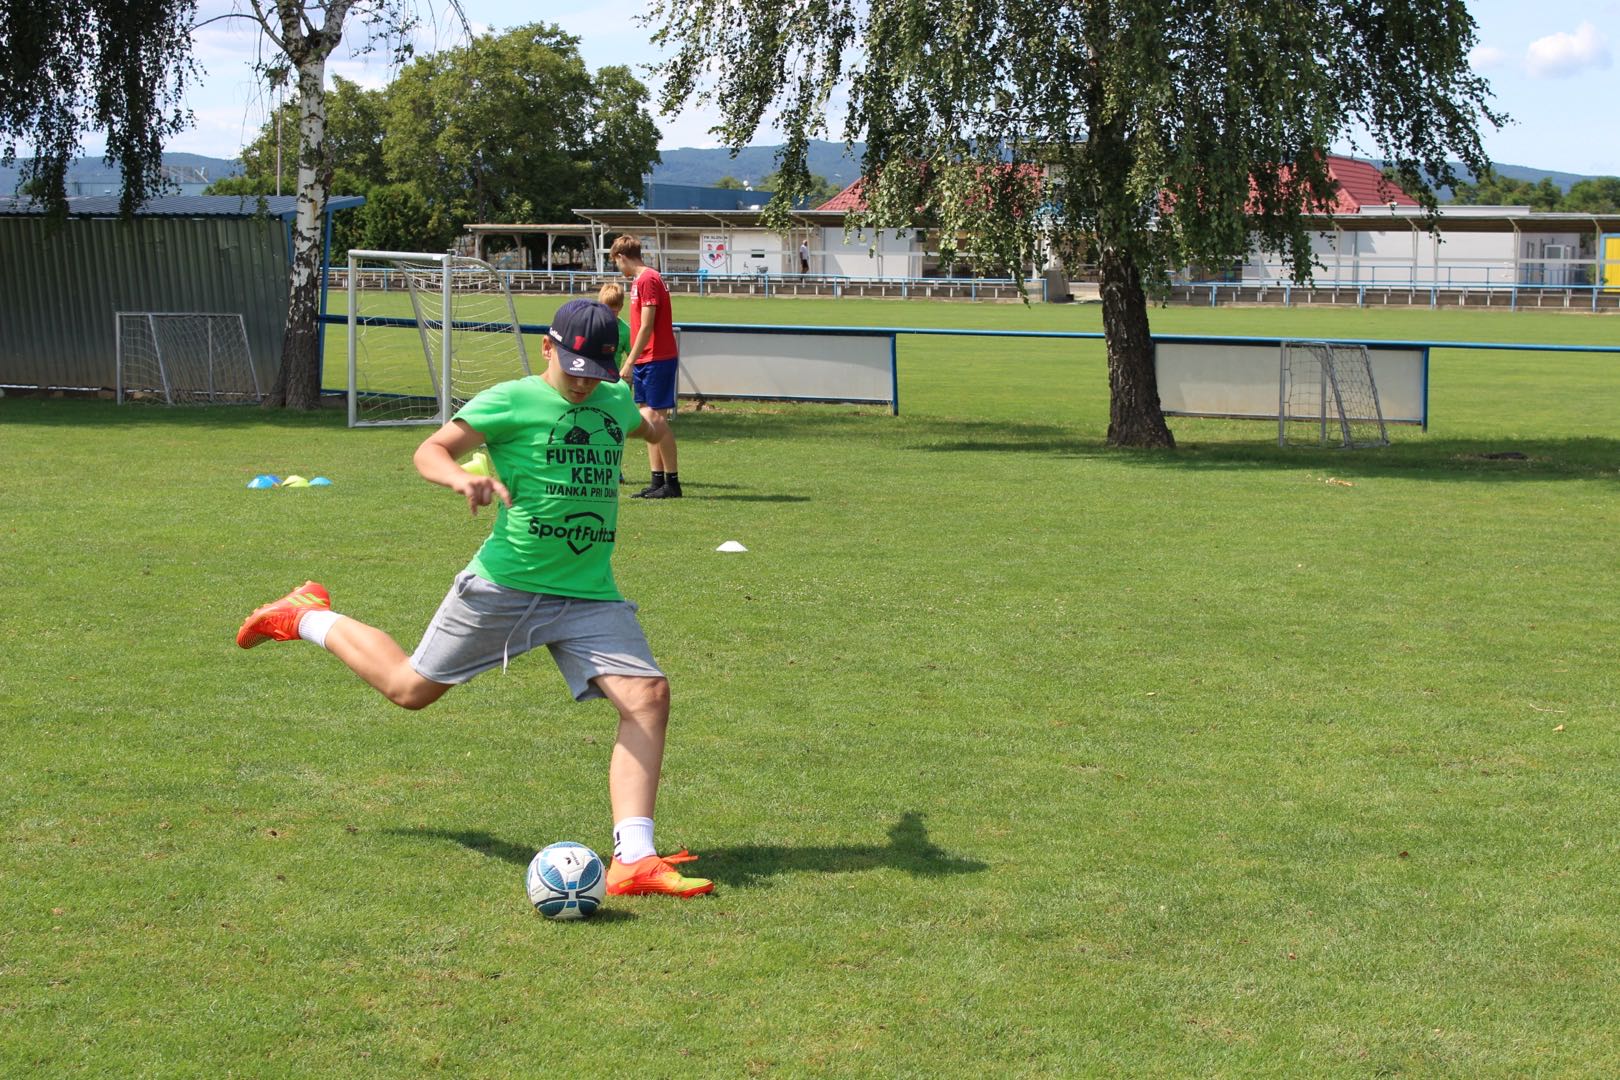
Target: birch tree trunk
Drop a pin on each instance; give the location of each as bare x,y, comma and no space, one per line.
298,381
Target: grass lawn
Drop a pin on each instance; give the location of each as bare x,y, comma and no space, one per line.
1011,755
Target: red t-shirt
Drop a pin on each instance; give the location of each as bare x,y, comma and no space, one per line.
648,290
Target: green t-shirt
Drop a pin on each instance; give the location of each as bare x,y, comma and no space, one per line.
560,462
623,352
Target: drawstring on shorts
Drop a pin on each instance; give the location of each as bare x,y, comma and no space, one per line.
528,638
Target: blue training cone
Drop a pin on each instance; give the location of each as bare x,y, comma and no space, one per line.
263,481
320,481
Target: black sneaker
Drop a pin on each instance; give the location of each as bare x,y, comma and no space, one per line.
670,490
648,492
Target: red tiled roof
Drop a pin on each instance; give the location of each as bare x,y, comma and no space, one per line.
848,199
1360,184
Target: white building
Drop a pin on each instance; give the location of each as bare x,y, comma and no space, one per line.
1475,246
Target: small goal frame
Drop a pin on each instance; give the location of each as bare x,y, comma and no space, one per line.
1347,411
209,394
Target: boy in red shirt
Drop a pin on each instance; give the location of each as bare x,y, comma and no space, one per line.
654,362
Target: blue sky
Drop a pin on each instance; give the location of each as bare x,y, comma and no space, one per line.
1554,66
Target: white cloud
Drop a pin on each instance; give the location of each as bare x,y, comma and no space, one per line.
1561,55
1486,58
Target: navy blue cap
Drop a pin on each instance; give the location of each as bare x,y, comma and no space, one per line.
587,335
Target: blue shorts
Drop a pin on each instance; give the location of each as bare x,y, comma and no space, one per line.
653,383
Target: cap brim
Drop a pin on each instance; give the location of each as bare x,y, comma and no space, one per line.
592,369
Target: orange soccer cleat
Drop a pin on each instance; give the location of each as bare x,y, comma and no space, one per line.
656,876
278,621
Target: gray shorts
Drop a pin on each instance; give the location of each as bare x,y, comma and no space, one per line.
481,625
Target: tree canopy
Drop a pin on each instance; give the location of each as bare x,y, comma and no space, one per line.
72,67
1593,195
507,128
1150,133
515,128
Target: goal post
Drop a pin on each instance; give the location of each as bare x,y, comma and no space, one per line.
1241,378
426,332
183,358
1327,395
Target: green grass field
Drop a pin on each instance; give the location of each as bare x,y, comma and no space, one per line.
1011,755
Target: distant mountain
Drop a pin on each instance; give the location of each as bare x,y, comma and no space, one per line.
92,176
1525,172
707,167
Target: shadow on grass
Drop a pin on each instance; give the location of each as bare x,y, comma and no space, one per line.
1425,457
1201,445
908,849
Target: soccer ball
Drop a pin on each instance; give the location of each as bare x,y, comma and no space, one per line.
566,881
584,423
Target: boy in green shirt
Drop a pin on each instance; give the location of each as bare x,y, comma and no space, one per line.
612,294
544,576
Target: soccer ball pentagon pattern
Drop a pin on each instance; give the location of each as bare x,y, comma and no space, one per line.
566,881
587,425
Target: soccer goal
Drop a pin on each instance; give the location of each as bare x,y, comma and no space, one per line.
184,358
1326,396
426,333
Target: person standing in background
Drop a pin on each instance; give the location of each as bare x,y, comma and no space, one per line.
654,362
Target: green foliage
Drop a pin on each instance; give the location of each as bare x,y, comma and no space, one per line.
730,183
69,67
1594,195
818,191
353,141
515,128
242,185
397,218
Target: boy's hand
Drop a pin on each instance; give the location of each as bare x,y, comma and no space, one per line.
480,490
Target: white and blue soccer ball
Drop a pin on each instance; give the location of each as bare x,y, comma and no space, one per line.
566,881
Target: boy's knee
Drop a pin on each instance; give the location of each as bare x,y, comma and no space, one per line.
649,699
656,696
416,694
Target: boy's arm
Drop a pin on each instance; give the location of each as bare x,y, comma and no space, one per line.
653,428
644,334
435,459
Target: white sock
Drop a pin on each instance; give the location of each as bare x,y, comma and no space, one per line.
633,839
313,625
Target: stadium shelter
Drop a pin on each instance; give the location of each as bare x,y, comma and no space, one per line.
514,254
66,280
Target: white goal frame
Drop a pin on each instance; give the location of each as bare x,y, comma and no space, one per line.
441,367
1329,387
225,366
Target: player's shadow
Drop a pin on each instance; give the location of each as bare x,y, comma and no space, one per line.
908,849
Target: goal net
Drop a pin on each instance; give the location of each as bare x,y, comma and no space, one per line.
184,358
1326,396
426,333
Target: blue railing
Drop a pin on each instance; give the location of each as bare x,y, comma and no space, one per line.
1587,296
